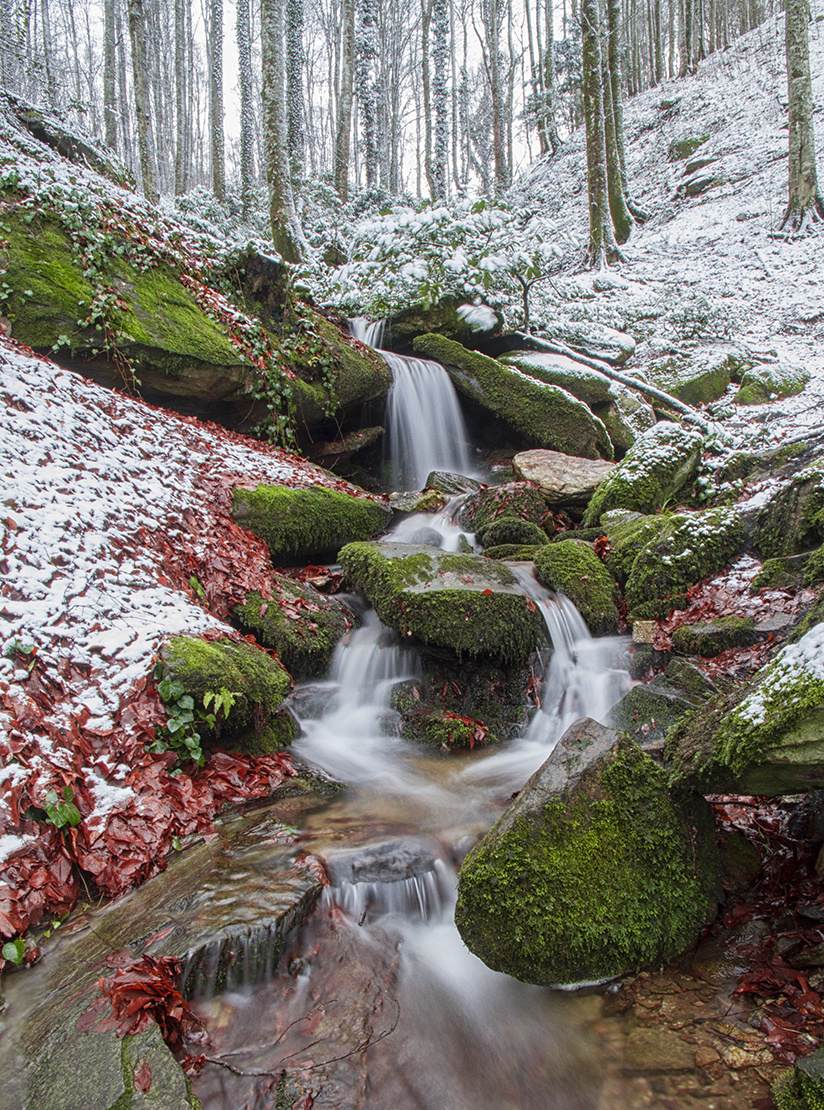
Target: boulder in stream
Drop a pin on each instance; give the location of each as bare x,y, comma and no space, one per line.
573,568
565,481
594,870
464,602
543,415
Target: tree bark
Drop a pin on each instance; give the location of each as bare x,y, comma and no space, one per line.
601,248
142,108
109,76
287,233
294,84
440,56
247,123
805,204
343,129
216,98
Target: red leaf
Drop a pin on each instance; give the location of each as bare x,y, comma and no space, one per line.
142,1076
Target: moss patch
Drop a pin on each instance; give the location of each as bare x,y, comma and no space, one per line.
304,523
544,415
658,466
709,638
793,521
515,499
511,530
699,378
464,602
608,875
516,552
573,568
762,384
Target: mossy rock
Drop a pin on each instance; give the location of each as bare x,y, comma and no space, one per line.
511,530
257,680
701,377
802,1087
464,602
683,148
513,552
573,568
626,416
299,524
417,501
360,374
301,624
688,548
515,499
781,574
450,484
628,535
764,383
793,521
710,638
648,711
594,870
764,738
658,466
442,318
595,340
543,415
589,386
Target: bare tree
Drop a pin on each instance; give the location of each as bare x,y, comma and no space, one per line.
143,113
216,98
601,248
805,205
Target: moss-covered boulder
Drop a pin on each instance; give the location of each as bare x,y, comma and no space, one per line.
594,340
709,638
792,521
802,1087
649,710
513,552
766,737
768,382
683,148
444,318
511,530
588,385
514,499
300,524
700,377
595,869
573,568
564,480
301,624
543,415
464,602
788,573
256,721
658,466
689,547
626,416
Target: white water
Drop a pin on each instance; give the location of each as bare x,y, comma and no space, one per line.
425,428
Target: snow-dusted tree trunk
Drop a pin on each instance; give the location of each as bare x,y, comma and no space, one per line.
180,98
805,204
109,75
440,57
294,85
492,11
48,53
142,107
426,90
216,98
247,123
287,233
619,213
343,128
601,247
366,54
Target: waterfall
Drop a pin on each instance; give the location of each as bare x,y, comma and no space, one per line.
425,428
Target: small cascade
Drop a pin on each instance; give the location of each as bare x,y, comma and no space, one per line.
440,529
229,963
424,425
423,897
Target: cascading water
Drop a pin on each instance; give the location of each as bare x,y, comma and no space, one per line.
425,429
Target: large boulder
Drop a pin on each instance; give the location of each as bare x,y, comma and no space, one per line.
768,381
464,602
573,568
588,385
595,869
450,317
301,524
792,521
700,377
543,415
594,340
564,480
513,499
626,416
655,469
767,737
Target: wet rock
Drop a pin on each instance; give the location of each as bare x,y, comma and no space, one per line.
542,415
417,501
511,530
650,710
803,1086
766,738
709,638
573,568
515,499
451,484
656,468
465,602
564,480
536,897
330,453
390,861
658,1050
428,537
301,524
740,860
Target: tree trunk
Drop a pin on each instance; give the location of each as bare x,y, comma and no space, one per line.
216,97
109,76
619,213
440,52
287,233
343,129
805,204
367,92
601,248
426,90
142,108
294,84
247,123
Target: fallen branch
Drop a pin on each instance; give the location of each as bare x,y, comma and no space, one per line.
624,379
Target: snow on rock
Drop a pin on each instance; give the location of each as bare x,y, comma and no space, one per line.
115,517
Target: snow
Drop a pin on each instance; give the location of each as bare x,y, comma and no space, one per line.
790,668
478,317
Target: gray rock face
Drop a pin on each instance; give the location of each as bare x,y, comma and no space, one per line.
595,868
562,479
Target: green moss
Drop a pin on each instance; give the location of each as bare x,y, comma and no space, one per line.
683,148
515,552
688,548
515,499
814,568
802,1087
511,530
614,875
629,537
574,569
655,469
587,385
793,521
544,415
698,379
302,625
305,523
780,574
709,638
649,710
761,384
464,602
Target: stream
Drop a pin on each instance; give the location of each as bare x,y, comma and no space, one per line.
378,1003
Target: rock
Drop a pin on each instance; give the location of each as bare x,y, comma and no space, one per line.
788,573
594,340
683,148
451,484
444,318
543,415
658,1050
700,377
594,870
428,537
514,499
331,453
256,721
792,521
586,384
657,467
573,568
388,861
563,480
464,602
513,552
626,417
763,383
651,709
417,501
693,165
709,638
767,737
301,624
511,530
802,1087
301,524
700,183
